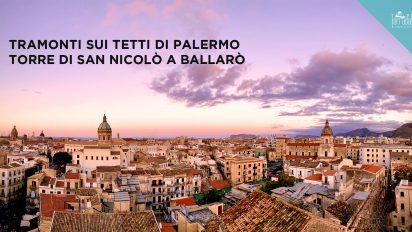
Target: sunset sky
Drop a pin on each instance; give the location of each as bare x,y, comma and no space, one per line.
306,61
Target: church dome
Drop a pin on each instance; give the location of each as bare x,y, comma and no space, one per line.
104,126
14,133
327,131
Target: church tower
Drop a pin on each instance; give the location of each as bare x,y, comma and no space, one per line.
104,131
14,134
326,146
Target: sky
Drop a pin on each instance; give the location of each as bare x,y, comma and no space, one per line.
306,61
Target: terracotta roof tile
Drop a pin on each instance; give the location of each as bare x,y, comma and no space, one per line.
167,227
371,168
219,184
72,176
260,212
184,201
329,173
296,157
303,144
59,184
107,168
54,202
86,191
143,221
315,177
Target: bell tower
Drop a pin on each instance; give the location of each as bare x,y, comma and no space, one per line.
104,132
326,146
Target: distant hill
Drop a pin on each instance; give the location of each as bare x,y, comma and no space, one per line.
405,131
361,132
243,136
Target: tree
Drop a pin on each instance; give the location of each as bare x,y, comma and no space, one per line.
402,172
61,159
213,196
284,180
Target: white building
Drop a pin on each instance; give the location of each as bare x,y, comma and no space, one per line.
378,154
106,151
11,181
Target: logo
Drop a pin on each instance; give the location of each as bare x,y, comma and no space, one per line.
401,20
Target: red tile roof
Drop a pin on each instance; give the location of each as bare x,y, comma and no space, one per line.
371,168
329,173
260,212
195,172
167,227
339,145
295,157
315,177
54,202
73,176
187,201
219,184
303,144
59,184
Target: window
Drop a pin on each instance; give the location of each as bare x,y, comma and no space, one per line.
43,191
91,157
402,206
86,157
403,220
402,194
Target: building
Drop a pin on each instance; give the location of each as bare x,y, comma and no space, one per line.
301,169
106,151
325,149
11,181
194,219
378,154
240,170
401,218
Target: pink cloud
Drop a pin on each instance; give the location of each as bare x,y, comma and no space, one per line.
112,14
138,7
172,7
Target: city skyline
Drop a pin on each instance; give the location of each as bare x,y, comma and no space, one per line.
341,65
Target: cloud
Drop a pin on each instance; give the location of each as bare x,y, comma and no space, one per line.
198,85
191,17
350,82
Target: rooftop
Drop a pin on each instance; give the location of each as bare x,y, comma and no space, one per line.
144,221
260,212
49,203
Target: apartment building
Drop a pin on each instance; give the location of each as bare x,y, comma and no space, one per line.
11,181
401,218
378,154
240,170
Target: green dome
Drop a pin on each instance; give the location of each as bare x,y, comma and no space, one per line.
104,126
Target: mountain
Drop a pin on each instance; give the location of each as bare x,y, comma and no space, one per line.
361,132
404,131
243,136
